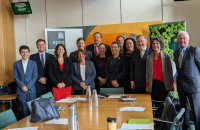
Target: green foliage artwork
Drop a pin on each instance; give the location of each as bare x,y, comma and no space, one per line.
168,33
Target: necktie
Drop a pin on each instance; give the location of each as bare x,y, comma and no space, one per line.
180,58
95,51
42,60
142,53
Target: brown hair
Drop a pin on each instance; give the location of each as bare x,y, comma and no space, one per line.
40,40
80,38
84,53
119,37
64,55
97,33
102,45
116,44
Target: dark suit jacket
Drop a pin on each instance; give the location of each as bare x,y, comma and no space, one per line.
73,56
42,72
90,74
91,48
96,64
57,76
138,67
27,79
116,71
188,77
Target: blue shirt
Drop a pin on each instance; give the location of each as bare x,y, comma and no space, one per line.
183,50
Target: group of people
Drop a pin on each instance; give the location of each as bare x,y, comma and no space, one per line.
128,63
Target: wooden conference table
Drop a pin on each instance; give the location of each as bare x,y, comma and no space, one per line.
8,98
97,118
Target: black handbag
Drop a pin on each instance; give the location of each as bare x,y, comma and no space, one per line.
43,109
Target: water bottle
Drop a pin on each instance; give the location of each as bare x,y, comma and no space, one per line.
95,98
73,118
88,94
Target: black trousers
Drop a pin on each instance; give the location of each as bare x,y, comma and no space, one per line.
159,93
140,90
81,92
194,100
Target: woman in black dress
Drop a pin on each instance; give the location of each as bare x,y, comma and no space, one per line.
129,47
100,65
114,69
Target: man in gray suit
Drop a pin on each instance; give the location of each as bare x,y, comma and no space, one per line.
25,75
187,60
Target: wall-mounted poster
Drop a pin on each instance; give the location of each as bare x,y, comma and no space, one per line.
67,37
168,33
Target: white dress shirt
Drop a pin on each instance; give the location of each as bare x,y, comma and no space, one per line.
25,63
82,68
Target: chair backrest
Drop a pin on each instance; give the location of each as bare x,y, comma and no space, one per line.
168,113
119,90
29,104
7,118
48,95
192,127
176,119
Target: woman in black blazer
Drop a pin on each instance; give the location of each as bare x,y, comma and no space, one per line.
100,66
129,47
60,72
114,69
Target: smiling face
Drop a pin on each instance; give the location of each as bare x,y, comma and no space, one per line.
41,46
81,56
129,45
115,49
183,40
81,44
102,50
97,38
156,46
60,51
25,54
141,42
120,40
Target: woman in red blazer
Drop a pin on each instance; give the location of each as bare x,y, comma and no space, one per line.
60,72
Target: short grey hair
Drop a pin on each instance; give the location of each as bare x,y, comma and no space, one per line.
183,32
141,36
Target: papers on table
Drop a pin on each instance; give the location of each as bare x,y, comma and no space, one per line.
132,109
25,128
67,100
71,100
114,96
61,121
137,126
80,99
129,99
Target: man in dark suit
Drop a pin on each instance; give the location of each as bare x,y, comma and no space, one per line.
80,44
43,84
120,40
187,60
138,65
94,47
25,75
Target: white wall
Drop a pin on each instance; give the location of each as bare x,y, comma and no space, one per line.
184,11
67,13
